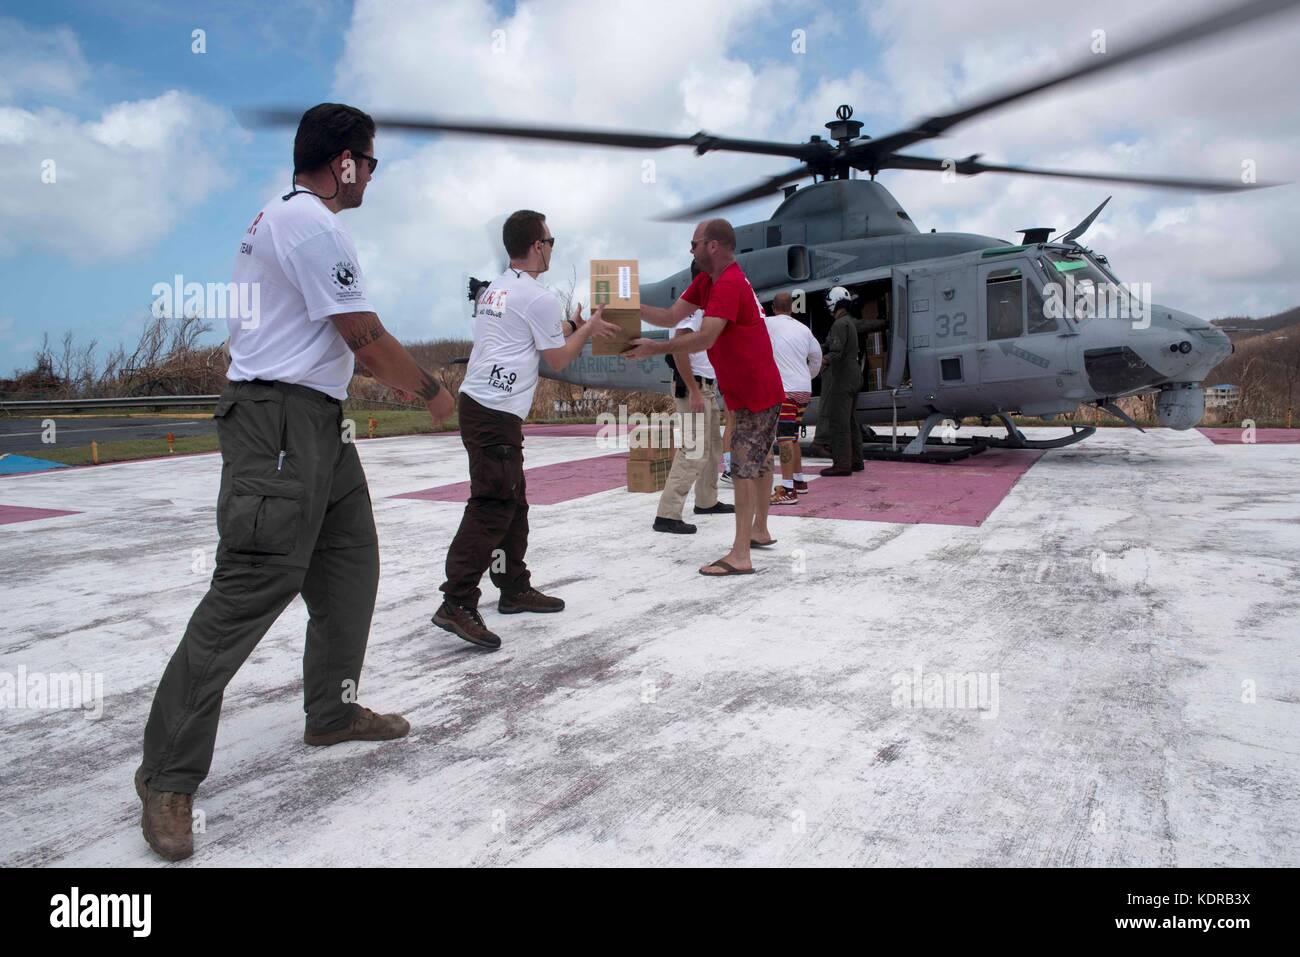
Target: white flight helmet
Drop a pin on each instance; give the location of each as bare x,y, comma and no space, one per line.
836,296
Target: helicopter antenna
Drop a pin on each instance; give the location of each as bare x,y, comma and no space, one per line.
1082,228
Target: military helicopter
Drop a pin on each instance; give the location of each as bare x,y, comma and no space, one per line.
979,327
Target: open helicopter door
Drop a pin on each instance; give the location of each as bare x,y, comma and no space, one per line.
898,330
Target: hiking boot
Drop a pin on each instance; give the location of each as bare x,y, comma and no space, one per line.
365,726
167,820
528,600
784,496
466,623
800,485
717,508
674,525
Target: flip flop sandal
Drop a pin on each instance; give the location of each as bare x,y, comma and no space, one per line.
753,543
730,569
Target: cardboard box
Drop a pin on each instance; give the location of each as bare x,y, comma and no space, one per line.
616,285
877,362
651,443
650,455
875,380
875,343
648,476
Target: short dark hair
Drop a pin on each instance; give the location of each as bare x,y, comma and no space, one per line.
326,130
521,230
720,230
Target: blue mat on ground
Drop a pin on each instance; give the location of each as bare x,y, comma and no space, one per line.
11,464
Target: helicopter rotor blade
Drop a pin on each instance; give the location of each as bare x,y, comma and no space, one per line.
1188,33
762,188
702,142
973,167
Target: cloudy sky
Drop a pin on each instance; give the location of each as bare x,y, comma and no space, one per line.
156,175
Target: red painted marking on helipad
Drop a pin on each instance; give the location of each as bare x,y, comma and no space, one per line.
957,493
548,484
1262,436
11,514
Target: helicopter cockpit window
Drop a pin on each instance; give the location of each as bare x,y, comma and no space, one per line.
1081,289
1039,320
1005,304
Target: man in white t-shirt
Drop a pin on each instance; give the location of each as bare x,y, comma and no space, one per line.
518,324
293,511
799,359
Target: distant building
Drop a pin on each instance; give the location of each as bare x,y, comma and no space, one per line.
1218,396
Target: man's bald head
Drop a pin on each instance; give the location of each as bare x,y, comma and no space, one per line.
713,246
718,230
783,304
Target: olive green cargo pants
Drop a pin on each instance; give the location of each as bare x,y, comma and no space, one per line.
293,516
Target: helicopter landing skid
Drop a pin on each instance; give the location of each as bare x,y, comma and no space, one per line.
876,448
1017,439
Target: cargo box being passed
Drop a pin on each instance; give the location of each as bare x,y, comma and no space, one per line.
616,286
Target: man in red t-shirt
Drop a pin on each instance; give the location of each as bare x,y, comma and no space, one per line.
740,350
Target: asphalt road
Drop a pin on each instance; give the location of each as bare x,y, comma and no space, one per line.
24,435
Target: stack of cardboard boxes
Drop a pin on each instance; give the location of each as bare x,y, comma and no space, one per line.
874,371
649,457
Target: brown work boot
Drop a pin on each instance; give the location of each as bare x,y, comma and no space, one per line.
530,599
167,820
466,623
365,726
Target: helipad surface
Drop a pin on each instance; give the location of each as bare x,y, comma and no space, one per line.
1105,667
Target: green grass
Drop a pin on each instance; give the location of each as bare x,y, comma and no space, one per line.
125,451
388,423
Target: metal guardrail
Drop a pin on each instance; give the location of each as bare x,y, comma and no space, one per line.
128,402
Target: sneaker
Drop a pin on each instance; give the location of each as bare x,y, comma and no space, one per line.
784,496
674,525
717,508
167,819
365,726
465,623
725,478
530,599
800,485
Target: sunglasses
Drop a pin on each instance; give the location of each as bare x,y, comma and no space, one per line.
696,242
373,161
549,241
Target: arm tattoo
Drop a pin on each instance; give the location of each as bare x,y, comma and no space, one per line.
429,387
359,329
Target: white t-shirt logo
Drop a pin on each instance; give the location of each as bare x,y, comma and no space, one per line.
344,274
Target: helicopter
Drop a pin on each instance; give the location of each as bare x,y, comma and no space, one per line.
978,327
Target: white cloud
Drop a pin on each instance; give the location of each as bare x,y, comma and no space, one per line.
39,62
120,183
622,65
637,66
1198,112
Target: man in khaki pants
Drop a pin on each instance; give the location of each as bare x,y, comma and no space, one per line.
696,461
